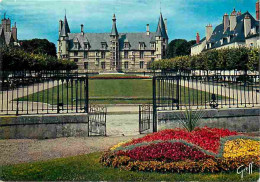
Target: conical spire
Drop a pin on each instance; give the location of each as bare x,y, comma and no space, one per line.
65,27
161,30
114,29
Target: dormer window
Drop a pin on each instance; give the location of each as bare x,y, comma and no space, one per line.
126,45
141,45
152,45
104,45
225,40
76,45
86,45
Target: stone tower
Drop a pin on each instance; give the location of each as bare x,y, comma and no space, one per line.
161,39
114,48
63,43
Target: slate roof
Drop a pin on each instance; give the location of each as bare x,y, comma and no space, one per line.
114,29
65,27
237,34
161,30
5,36
95,40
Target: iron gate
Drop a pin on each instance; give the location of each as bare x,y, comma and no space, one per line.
97,116
145,118
165,97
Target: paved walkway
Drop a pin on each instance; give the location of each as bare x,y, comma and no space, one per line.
25,150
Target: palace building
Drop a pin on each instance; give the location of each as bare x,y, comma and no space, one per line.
235,31
8,34
114,51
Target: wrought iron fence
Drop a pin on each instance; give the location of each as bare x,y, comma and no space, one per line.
43,93
206,91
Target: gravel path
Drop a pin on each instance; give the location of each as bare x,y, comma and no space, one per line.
26,150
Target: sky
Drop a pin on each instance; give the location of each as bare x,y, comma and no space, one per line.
40,18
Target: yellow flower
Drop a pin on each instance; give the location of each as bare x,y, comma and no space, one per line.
118,145
241,148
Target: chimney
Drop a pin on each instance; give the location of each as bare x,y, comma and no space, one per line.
257,10
209,31
14,32
247,25
60,26
198,38
226,21
166,28
233,20
147,29
82,28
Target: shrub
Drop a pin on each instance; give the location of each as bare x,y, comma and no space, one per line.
15,59
224,59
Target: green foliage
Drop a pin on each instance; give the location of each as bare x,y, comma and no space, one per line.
88,168
17,59
189,119
39,46
179,47
225,59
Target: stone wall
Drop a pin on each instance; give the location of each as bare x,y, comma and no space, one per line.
242,120
43,126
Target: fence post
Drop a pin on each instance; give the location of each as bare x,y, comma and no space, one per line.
154,106
87,95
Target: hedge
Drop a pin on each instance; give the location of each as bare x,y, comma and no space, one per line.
224,59
15,59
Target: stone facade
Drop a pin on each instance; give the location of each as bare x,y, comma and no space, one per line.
114,51
236,30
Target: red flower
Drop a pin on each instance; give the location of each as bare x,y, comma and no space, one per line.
206,138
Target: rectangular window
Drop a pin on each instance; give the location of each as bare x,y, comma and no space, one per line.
152,60
85,55
125,54
141,64
103,55
126,65
152,53
141,54
75,53
103,65
76,60
86,66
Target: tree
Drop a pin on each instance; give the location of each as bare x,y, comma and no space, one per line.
179,47
39,46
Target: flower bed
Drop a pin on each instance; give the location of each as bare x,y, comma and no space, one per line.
176,150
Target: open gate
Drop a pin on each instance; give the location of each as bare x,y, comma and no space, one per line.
145,118
97,117
166,91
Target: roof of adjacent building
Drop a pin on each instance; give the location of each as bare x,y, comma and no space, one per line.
237,35
6,36
202,40
95,40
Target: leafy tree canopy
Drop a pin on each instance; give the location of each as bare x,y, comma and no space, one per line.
39,46
179,47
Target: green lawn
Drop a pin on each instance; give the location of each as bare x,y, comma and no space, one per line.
88,168
113,91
